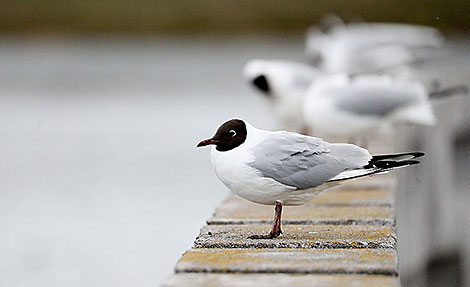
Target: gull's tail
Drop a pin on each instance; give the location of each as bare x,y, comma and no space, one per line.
388,162
381,164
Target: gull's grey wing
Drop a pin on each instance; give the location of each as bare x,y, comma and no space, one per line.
300,75
305,162
373,100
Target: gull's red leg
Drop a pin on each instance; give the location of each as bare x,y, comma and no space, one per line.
276,230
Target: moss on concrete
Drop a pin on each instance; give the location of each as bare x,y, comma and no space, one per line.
359,261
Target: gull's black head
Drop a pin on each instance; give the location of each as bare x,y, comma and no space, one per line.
261,83
228,136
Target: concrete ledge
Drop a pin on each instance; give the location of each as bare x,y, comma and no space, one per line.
235,210
344,237
297,236
308,261
354,197
280,280
383,182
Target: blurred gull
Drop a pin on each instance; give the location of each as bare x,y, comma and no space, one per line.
371,47
284,83
347,107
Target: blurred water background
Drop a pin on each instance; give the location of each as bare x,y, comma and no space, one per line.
101,182
101,107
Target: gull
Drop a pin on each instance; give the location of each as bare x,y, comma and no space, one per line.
371,47
345,107
284,84
285,168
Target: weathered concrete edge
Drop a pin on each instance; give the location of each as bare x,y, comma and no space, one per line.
369,221
384,203
378,271
287,245
275,280
206,239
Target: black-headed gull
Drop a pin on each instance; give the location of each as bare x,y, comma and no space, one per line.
284,83
371,47
345,107
285,168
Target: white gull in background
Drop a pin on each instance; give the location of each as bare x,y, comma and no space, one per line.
371,47
285,168
284,84
340,106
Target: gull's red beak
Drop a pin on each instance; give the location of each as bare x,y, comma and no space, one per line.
207,142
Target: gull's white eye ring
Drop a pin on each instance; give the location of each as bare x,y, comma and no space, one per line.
232,133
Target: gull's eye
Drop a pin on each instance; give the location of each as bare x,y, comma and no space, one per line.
232,133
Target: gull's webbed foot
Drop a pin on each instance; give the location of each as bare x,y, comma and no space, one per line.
271,235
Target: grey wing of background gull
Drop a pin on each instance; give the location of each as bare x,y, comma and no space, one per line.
302,82
373,102
304,162
302,75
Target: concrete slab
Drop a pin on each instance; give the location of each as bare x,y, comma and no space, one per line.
280,280
297,236
355,197
235,210
385,181
305,261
